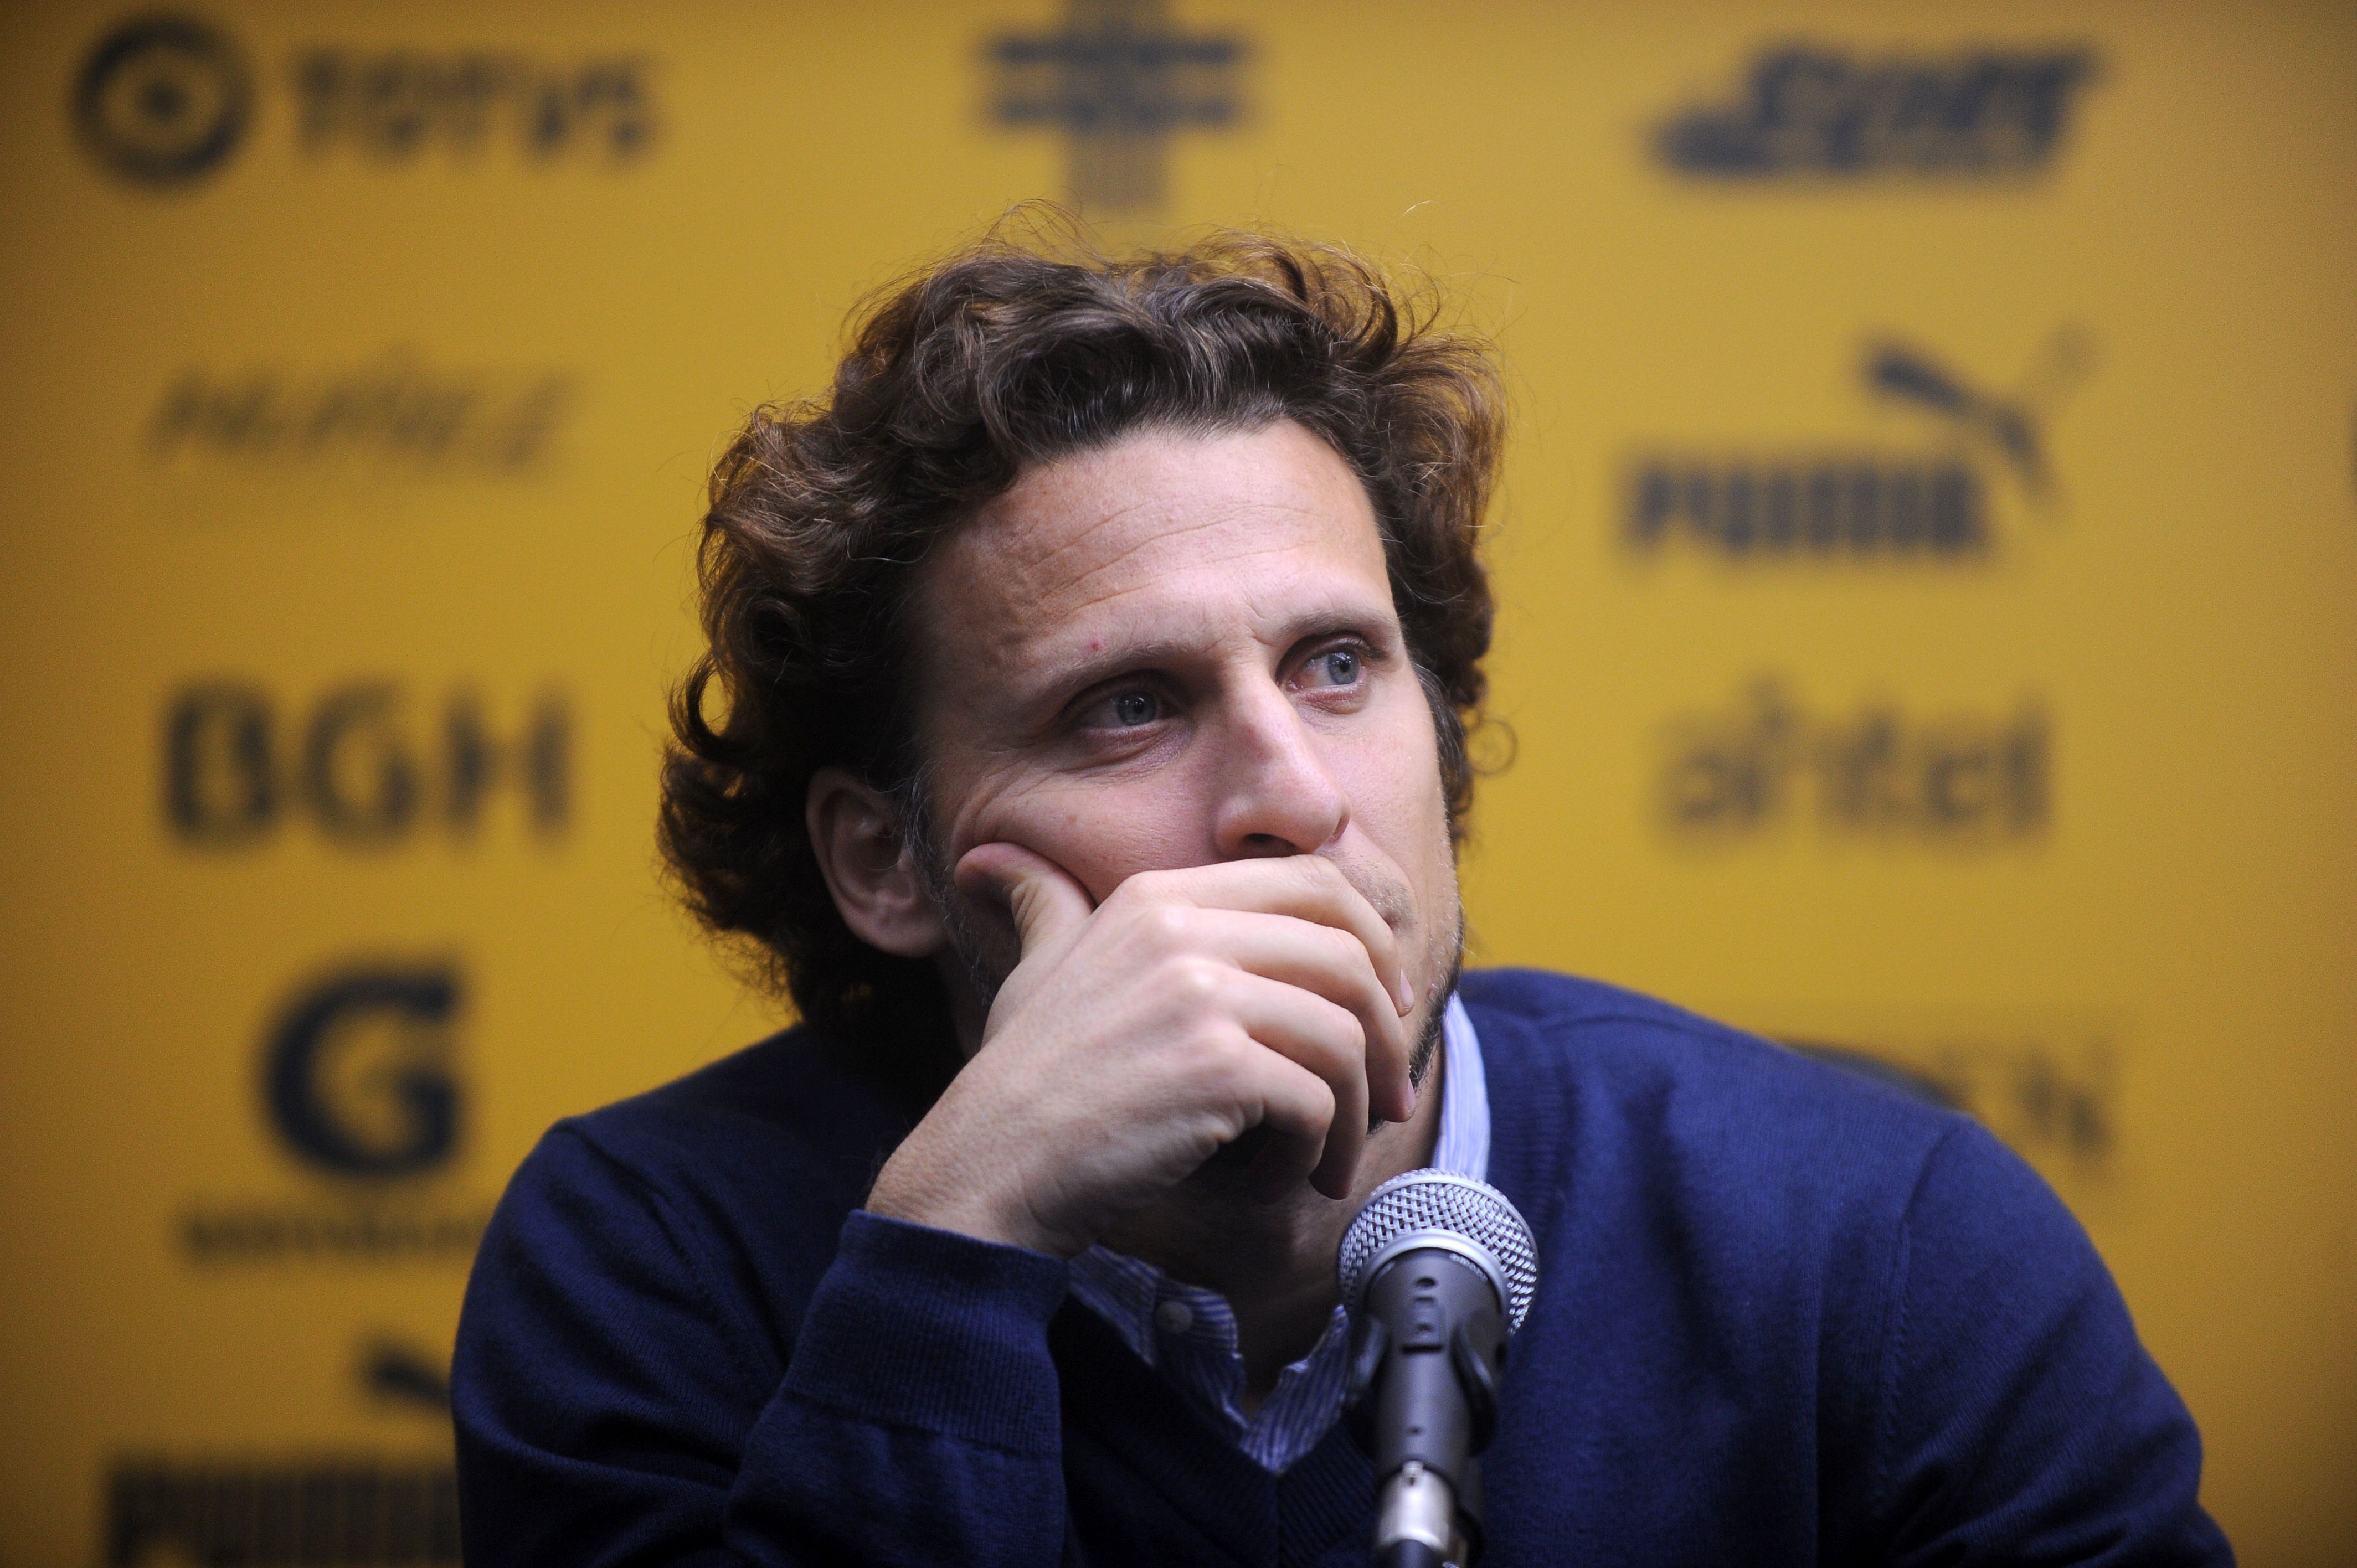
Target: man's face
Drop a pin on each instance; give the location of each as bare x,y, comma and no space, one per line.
1175,650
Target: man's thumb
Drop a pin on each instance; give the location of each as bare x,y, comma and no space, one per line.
1041,896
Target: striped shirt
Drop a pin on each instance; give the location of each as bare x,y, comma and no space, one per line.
1189,1334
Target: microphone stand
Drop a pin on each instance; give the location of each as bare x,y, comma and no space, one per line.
1422,1403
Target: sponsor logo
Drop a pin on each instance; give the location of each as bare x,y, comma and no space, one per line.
1862,504
269,1231
1765,764
395,106
350,1511
397,1376
396,413
162,102
1120,80
359,1086
356,1509
357,765
397,1115
2050,1090
1934,504
1814,111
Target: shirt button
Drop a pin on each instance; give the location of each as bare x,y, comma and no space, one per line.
1175,1316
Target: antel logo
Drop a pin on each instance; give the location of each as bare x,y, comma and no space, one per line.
1754,768
163,100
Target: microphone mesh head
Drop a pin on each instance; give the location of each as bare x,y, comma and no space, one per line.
1435,1200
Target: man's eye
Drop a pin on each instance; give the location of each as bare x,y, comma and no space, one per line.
1134,708
1336,666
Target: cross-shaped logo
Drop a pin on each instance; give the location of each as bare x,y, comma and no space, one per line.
1119,81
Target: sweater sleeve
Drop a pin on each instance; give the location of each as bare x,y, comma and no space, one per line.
2021,1420
610,1409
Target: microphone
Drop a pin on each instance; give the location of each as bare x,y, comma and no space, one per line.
1436,1271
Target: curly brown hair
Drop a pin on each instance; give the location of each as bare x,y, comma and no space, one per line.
1000,357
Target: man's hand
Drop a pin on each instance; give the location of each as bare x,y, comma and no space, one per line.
1137,1038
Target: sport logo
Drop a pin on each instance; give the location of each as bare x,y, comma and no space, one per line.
162,100
1932,503
396,413
345,1510
357,1075
1810,111
359,1087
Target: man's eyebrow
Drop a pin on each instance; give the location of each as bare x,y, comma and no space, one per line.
1069,674
1377,626
1073,672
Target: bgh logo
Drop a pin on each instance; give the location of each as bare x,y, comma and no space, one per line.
363,772
162,100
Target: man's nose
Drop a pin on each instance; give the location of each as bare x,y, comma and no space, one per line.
1278,795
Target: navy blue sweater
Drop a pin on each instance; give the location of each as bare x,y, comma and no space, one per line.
1784,1316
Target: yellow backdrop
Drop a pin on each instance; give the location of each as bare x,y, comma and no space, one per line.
1927,562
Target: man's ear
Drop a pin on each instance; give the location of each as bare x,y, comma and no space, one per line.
869,867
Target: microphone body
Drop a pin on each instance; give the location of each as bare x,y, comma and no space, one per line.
1437,1270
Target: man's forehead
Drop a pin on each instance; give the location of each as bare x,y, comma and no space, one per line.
1158,526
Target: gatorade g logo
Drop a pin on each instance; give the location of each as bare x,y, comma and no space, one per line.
163,99
357,1078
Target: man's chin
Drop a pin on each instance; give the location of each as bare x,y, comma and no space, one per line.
1212,1223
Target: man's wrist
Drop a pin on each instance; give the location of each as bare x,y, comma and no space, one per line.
945,1206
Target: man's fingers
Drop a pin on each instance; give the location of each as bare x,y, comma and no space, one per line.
1046,904
1325,1126
1298,1110
1332,964
1306,886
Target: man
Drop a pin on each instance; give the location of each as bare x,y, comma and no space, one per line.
1081,742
